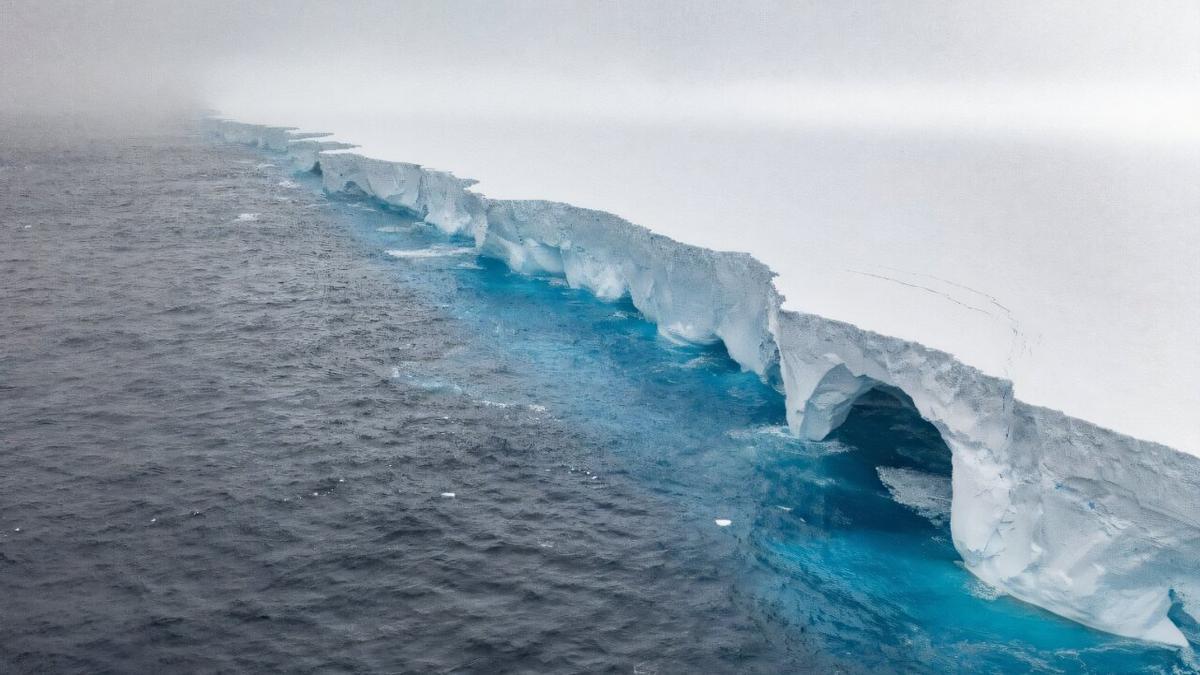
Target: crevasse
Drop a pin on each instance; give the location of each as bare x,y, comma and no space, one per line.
1087,523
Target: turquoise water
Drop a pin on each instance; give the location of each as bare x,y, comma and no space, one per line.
818,549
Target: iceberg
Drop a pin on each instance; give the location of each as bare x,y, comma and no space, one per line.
1085,522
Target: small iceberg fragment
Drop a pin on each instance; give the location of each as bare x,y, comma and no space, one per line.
247,217
723,522
448,495
431,252
927,494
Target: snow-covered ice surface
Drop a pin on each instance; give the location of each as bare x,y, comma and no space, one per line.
898,292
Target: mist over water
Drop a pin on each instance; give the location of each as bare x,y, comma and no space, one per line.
1101,69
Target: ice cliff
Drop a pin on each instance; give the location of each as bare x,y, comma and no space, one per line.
1087,523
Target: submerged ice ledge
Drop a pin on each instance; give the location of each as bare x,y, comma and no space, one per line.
1087,523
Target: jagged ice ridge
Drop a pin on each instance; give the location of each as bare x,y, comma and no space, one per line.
1085,522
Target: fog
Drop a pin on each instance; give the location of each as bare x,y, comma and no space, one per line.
1099,69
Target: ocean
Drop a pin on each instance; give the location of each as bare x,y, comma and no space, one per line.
245,426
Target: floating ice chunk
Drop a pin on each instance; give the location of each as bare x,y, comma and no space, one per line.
926,493
438,251
723,522
448,495
247,217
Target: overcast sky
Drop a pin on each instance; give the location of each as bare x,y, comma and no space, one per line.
1084,63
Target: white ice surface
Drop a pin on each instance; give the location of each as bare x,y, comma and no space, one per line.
1067,266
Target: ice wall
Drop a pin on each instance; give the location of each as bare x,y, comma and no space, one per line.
1087,523
437,197
304,153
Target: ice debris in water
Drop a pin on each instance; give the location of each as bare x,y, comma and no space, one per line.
437,251
981,590
247,217
448,495
926,493
723,522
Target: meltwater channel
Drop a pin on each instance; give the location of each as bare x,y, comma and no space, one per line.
359,446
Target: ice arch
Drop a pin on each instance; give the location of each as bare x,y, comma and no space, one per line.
833,398
1044,508
827,365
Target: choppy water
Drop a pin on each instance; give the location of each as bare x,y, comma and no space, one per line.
232,412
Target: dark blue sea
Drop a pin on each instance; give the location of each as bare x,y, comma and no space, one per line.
246,427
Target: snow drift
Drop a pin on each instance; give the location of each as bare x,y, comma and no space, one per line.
1087,523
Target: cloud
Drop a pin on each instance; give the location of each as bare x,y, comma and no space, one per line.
1098,68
